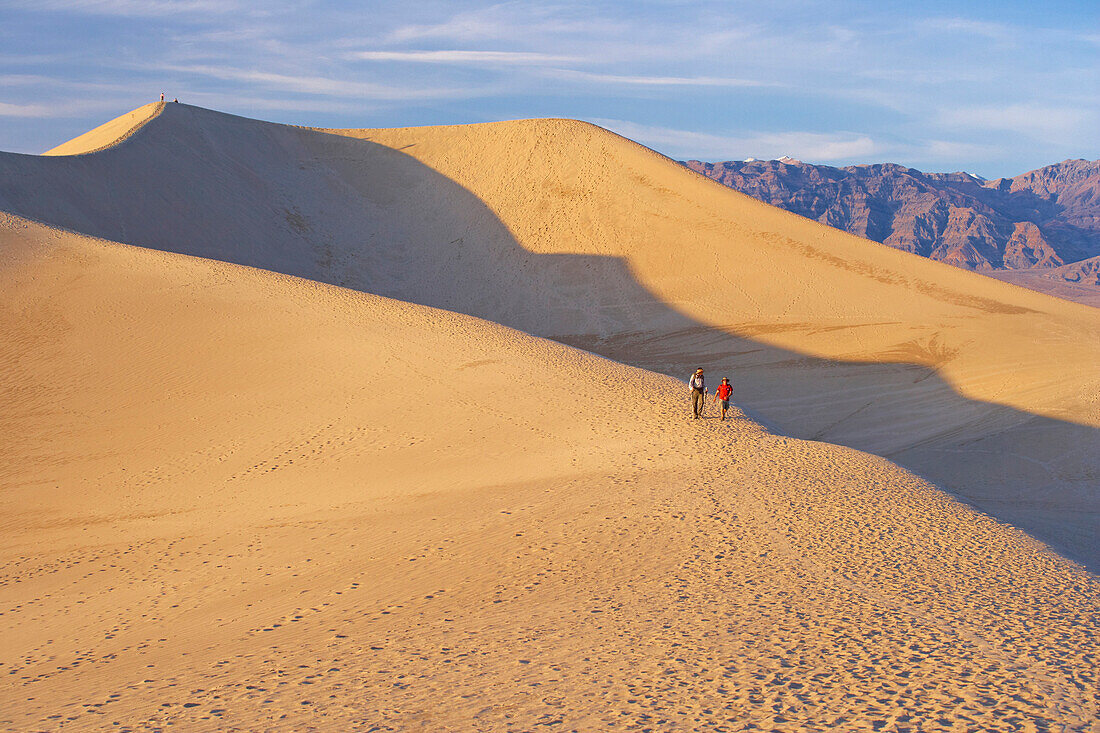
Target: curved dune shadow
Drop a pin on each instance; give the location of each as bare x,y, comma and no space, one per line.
361,215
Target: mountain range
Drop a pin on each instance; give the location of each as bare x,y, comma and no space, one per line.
1046,218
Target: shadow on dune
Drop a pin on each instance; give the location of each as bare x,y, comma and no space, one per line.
361,215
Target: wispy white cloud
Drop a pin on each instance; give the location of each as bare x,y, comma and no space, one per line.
559,22
36,59
969,27
809,146
952,150
925,77
656,81
136,8
321,85
461,27
252,103
462,57
22,110
12,80
53,86
813,147
67,109
1028,119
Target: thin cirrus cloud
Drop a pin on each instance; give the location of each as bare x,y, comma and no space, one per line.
62,109
839,148
23,110
11,80
656,81
1028,119
320,85
461,27
953,150
518,58
969,27
254,103
127,8
768,145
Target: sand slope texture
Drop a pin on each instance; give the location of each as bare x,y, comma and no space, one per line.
565,230
234,500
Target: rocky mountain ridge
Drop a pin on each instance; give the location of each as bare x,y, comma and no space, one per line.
1045,218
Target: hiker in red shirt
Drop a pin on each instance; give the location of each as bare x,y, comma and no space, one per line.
725,389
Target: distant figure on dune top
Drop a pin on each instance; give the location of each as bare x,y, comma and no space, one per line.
725,389
698,392
162,96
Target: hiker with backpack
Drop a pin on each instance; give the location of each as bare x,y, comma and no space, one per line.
725,389
698,392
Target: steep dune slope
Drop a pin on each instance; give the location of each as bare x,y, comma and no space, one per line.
109,134
236,500
565,230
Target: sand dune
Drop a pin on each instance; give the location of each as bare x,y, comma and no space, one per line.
238,500
109,134
565,230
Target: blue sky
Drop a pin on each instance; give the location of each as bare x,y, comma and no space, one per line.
993,88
